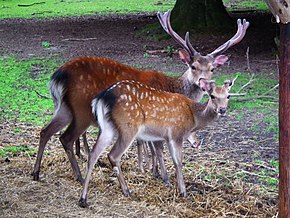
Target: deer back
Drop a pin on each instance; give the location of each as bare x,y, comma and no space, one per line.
82,78
130,105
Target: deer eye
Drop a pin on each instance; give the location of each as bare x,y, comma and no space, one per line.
212,97
193,67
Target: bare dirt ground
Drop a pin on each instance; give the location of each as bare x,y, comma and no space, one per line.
222,178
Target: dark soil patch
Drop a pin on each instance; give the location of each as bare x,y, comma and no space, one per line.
223,178
115,37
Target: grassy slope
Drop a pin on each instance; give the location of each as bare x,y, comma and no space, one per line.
23,85
60,8
56,8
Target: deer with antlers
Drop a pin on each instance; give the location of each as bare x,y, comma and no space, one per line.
131,110
74,85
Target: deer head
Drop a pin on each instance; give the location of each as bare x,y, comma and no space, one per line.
201,66
218,95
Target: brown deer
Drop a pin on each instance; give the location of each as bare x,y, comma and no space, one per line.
74,85
131,110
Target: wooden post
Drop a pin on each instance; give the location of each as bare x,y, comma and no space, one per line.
284,122
281,11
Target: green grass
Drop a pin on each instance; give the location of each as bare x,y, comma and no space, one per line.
269,175
61,8
264,172
23,85
8,151
241,5
46,44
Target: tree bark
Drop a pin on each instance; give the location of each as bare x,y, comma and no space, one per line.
284,122
205,15
280,10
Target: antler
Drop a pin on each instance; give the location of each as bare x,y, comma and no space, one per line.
164,20
242,27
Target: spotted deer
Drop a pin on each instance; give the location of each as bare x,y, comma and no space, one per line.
74,85
131,110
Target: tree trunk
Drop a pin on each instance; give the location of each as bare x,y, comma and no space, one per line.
205,15
280,10
284,122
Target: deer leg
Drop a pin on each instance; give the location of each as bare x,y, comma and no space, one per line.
175,149
120,147
104,140
194,141
86,146
146,153
74,130
78,147
159,153
142,152
60,120
140,155
154,159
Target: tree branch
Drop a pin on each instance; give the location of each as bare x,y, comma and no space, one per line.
264,95
40,95
76,39
247,84
248,59
28,5
255,97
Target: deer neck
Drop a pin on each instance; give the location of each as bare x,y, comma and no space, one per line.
187,87
204,114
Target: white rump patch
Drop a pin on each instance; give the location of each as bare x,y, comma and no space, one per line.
57,91
100,111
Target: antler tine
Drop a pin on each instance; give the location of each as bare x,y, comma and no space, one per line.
234,80
230,83
240,36
242,27
164,20
165,23
192,50
226,45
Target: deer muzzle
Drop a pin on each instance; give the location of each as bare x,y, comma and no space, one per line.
222,111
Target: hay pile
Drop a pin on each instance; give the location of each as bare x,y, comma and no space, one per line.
221,180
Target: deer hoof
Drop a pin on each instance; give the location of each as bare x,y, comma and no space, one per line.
183,194
80,180
126,193
35,176
167,184
83,203
156,174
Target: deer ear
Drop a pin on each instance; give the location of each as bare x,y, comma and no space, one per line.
211,86
184,56
228,84
220,60
206,85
